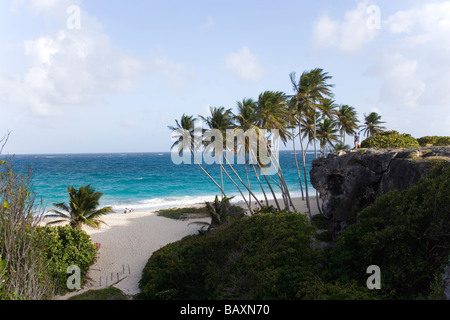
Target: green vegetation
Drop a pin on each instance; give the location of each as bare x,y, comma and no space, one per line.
319,221
434,141
34,259
62,247
82,208
178,213
23,275
390,139
265,256
3,277
110,293
273,255
405,234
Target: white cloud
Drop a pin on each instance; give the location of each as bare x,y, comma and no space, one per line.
245,65
402,85
415,69
356,30
425,24
70,67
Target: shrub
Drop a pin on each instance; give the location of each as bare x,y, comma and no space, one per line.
3,277
62,247
110,293
265,256
317,289
390,139
320,221
430,141
405,234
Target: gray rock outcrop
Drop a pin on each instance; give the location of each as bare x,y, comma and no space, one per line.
351,180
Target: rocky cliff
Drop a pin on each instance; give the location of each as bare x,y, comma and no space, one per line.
350,180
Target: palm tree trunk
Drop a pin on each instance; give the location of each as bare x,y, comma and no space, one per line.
221,181
260,184
248,183
273,193
286,193
237,175
209,176
268,184
304,172
296,164
243,197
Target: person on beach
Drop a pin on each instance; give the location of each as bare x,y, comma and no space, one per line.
357,140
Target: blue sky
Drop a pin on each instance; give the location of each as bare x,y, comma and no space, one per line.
114,76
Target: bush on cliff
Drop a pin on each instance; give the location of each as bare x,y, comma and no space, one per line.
390,139
405,233
434,141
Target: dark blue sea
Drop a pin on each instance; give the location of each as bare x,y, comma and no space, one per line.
143,180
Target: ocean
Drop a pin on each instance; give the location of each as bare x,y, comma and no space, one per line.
144,181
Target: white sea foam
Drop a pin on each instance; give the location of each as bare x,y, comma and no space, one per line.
170,202
160,203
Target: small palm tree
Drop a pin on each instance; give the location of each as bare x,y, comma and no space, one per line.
82,208
373,124
221,212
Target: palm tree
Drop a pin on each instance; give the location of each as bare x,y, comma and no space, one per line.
246,116
184,135
314,88
82,208
328,108
347,121
327,134
271,110
220,119
185,125
293,122
272,114
373,124
245,120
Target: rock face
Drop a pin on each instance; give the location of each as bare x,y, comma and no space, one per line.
351,180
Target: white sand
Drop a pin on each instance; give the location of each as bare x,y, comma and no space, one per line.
128,240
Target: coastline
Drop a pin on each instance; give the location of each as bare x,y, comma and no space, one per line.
128,240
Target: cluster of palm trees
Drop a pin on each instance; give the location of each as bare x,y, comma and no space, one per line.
310,114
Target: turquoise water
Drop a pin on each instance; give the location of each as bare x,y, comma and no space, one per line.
141,180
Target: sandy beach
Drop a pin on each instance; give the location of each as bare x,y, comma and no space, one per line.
128,240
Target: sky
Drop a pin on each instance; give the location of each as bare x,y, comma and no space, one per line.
100,76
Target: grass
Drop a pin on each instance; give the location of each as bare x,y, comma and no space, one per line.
320,222
176,213
110,293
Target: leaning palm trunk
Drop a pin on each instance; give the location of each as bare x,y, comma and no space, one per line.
285,189
237,186
296,164
237,175
268,184
304,173
248,183
209,176
260,184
